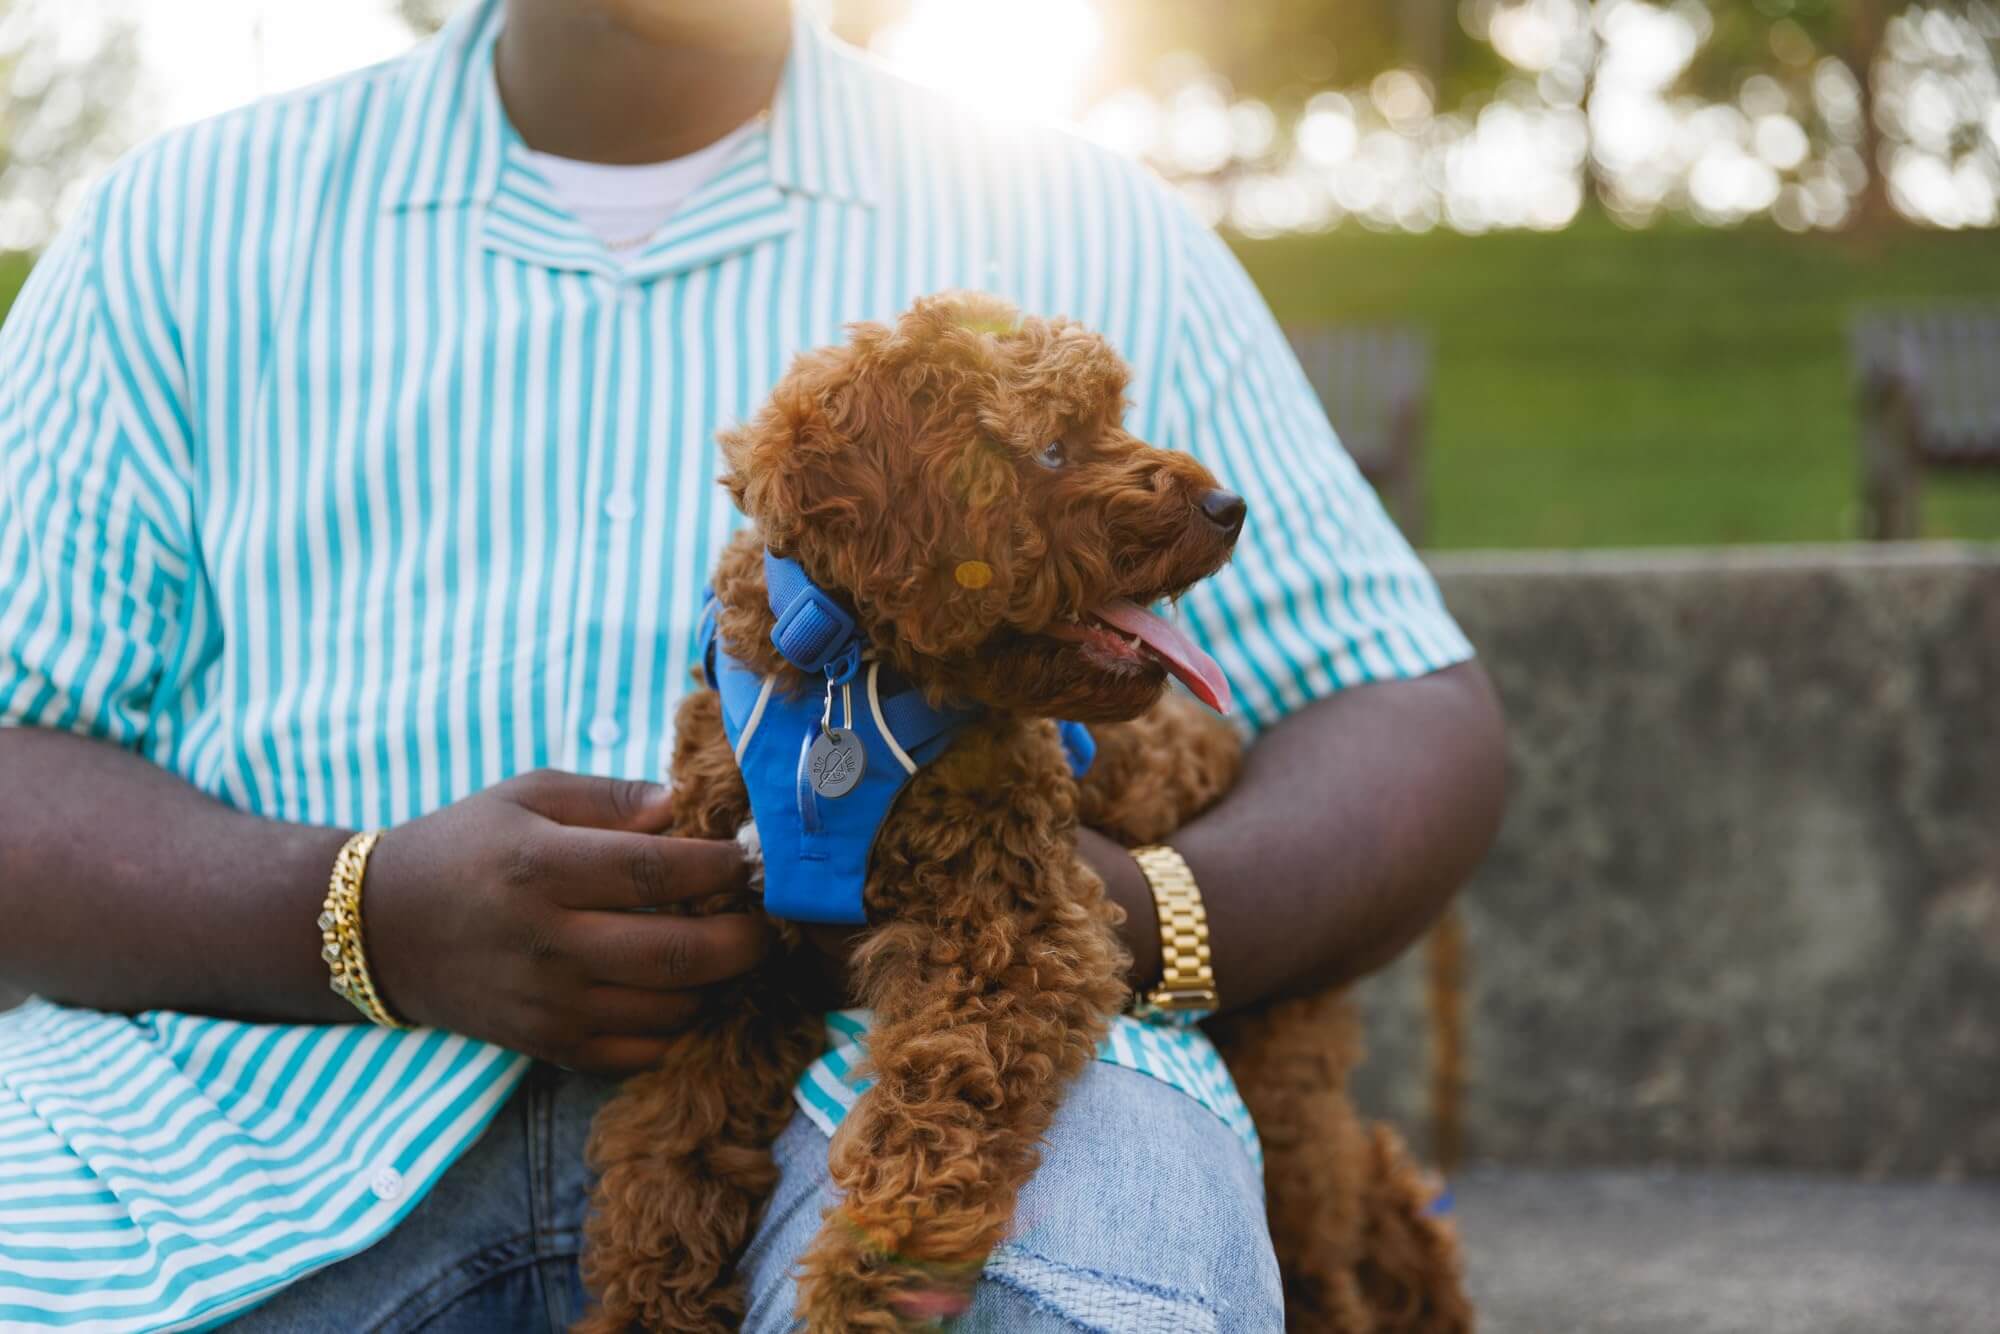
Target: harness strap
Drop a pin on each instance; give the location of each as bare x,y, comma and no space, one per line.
814,632
706,634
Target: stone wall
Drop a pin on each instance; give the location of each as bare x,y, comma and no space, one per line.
1746,905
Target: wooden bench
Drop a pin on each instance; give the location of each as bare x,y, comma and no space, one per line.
1374,383
1929,390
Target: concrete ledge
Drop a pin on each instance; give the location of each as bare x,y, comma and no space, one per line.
1632,1253
1746,908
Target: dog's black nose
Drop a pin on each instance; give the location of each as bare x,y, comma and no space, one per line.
1225,509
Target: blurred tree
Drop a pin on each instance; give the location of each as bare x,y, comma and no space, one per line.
66,77
1790,41
1786,41
1858,41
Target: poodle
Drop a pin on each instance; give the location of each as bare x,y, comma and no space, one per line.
960,487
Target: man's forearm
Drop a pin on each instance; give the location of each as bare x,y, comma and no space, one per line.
1354,822
124,888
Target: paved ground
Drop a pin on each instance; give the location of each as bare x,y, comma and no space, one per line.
1741,1253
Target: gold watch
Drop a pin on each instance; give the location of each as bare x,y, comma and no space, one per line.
1187,977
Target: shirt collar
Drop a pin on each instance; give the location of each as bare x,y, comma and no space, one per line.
452,136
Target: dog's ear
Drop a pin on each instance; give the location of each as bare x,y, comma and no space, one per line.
877,465
802,459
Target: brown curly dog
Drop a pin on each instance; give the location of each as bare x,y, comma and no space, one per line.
968,438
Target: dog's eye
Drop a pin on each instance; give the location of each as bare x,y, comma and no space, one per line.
1054,454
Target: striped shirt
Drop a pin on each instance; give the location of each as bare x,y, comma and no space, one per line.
343,474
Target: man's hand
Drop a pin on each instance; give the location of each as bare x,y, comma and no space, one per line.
516,916
511,916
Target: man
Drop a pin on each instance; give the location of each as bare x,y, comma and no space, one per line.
357,471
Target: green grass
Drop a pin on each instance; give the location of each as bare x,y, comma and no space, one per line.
1600,387
13,272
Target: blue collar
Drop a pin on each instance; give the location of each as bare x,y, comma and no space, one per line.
822,768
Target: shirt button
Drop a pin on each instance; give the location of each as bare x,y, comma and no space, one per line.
633,297
620,506
605,732
387,1183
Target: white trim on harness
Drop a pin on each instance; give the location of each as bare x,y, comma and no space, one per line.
881,724
757,716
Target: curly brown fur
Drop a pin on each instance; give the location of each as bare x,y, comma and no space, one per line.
890,467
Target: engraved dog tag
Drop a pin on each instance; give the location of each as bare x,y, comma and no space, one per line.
835,762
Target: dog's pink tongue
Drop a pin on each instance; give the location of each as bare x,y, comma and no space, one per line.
1184,658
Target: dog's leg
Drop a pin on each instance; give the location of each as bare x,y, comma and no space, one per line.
1291,1059
1350,1216
683,1156
683,1152
970,1062
1410,1272
1158,771
992,983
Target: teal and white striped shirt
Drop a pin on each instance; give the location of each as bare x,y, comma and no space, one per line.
342,473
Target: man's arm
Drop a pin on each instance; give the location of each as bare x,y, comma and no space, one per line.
126,889
507,916
1354,822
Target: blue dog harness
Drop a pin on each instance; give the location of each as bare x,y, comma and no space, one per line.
823,772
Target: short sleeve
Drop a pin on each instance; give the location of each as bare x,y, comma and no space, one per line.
95,605
1323,592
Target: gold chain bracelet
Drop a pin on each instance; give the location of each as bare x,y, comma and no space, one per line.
1187,977
340,933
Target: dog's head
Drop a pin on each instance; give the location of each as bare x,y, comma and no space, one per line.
963,480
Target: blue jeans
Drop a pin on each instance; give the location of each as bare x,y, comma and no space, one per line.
1146,1217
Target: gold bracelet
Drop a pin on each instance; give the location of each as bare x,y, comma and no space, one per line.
1187,977
340,933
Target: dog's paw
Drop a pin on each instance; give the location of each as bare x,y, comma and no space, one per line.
753,854
850,1281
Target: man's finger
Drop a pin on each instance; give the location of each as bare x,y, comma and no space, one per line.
618,1055
589,802
660,953
632,1012
606,869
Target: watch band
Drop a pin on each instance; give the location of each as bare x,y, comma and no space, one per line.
1187,977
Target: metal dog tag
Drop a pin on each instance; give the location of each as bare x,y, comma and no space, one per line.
835,762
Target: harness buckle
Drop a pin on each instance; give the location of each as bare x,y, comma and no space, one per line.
815,632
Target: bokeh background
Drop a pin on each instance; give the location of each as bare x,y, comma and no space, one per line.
1632,235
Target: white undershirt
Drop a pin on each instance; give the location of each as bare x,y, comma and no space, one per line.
626,205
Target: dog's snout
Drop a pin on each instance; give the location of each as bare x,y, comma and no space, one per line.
1225,509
